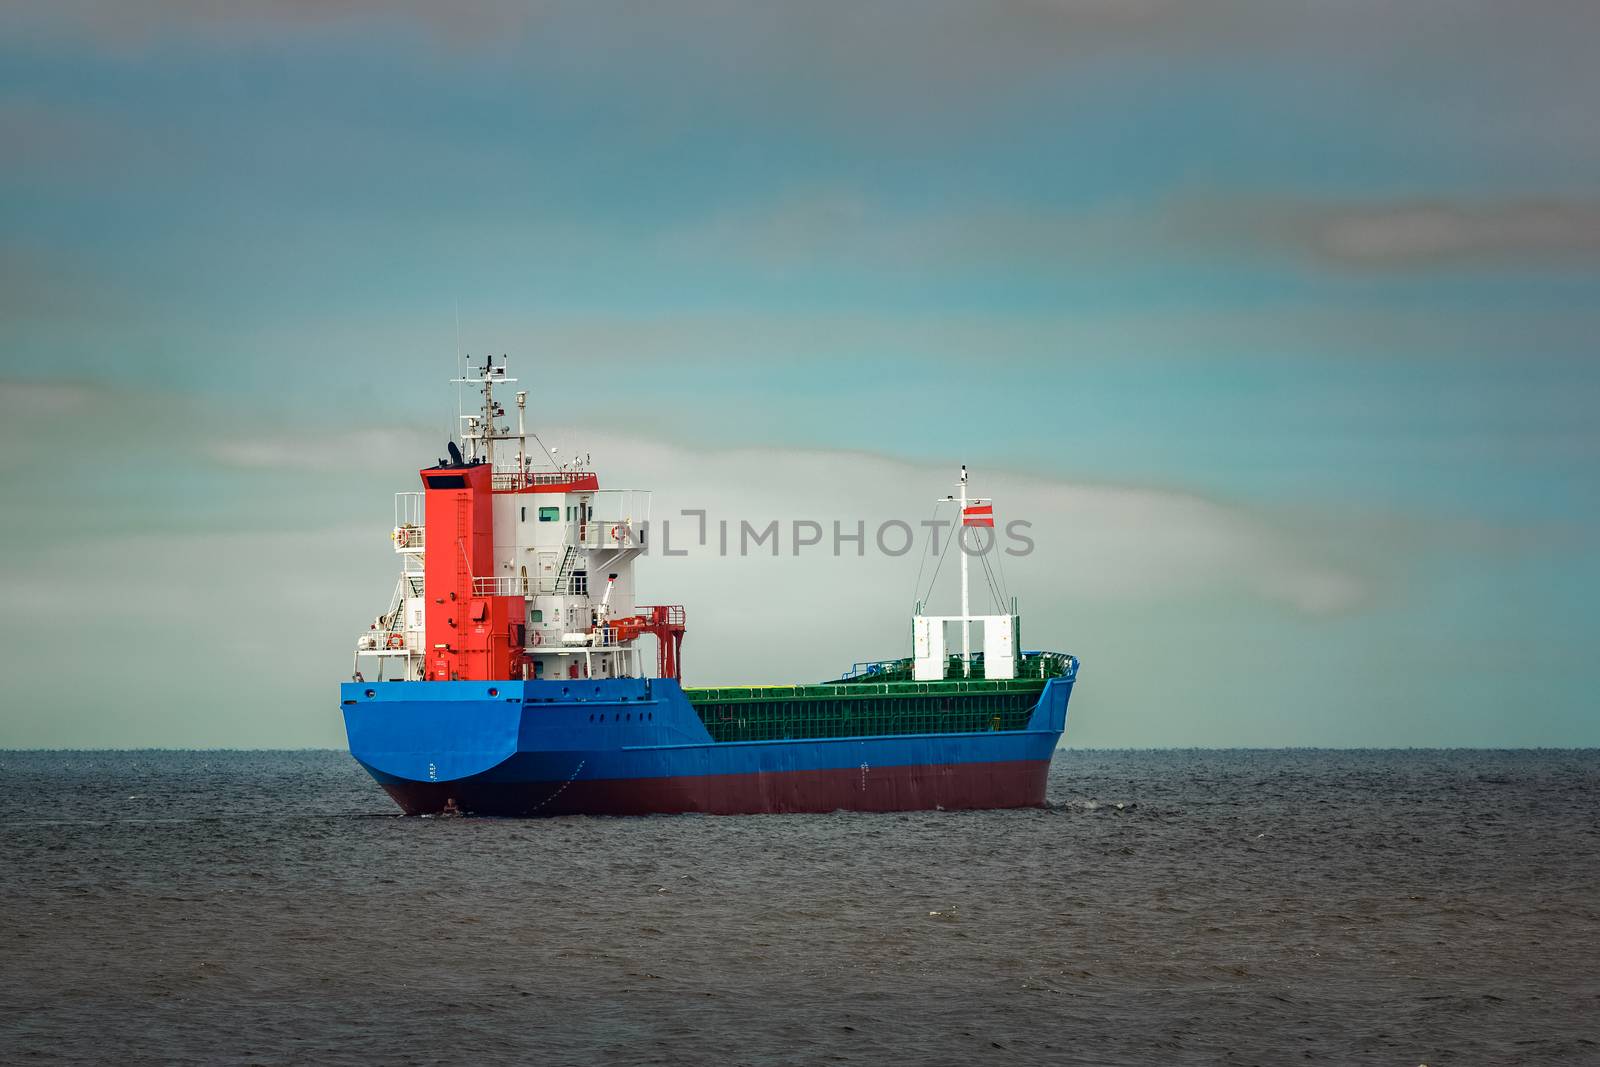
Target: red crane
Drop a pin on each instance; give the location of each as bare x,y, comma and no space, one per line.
666,622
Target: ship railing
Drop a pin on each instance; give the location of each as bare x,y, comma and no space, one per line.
877,670
408,523
388,643
501,585
606,533
671,614
607,639
1045,665
408,509
1029,665
515,479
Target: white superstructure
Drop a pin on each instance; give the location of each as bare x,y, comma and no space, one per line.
563,551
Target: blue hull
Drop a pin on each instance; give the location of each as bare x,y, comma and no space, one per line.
637,746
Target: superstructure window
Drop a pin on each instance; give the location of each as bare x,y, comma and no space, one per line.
549,514
580,583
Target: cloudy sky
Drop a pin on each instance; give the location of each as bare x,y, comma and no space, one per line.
1278,320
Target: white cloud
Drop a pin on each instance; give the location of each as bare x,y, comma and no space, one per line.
1412,233
361,448
1100,542
276,610
1403,233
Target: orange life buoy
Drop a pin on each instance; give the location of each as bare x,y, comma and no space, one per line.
616,532
538,638
396,641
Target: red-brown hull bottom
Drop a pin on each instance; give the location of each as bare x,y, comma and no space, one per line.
1009,784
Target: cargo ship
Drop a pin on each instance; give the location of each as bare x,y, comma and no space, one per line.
508,675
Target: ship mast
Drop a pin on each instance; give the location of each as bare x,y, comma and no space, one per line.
481,427
522,435
928,632
963,502
966,609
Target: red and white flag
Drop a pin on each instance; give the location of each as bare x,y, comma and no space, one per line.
978,515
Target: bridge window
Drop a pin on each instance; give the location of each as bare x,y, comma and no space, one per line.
549,514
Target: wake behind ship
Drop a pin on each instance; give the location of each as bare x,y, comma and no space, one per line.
508,676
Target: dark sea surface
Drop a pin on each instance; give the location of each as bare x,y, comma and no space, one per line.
1385,907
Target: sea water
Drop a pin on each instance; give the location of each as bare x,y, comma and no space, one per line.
1396,907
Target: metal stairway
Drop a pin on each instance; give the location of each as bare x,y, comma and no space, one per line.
564,574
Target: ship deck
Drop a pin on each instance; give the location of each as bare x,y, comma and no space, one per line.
859,704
